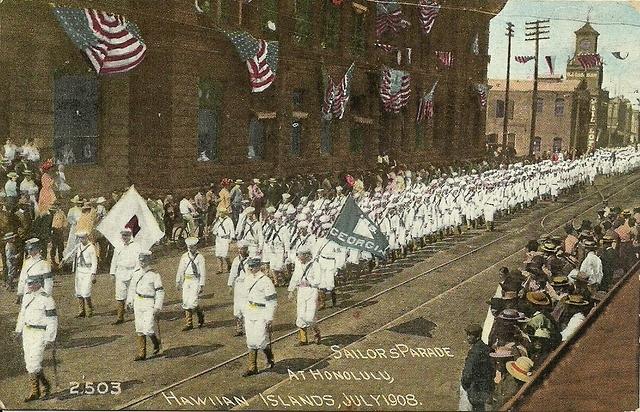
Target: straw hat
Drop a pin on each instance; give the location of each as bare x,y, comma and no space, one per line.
559,281
538,298
576,300
520,368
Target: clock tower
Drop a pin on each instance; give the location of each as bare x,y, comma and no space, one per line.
587,43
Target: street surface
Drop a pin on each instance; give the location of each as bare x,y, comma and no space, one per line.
405,320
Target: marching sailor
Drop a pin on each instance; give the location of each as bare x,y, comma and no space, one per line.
85,266
190,277
38,326
35,265
146,296
306,279
223,231
260,306
236,283
123,264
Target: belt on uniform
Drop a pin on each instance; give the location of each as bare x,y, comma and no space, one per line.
145,296
126,267
260,305
36,327
191,276
328,258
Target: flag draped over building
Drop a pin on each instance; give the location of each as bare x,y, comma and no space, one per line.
355,230
395,88
445,57
132,212
426,105
524,59
389,17
588,61
551,63
483,93
112,43
475,45
261,57
428,11
337,96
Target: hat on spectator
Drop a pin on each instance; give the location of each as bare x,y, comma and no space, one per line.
286,196
191,241
100,200
559,281
520,368
538,298
238,181
542,333
11,175
256,181
576,300
34,242
303,224
75,199
272,179
549,247
512,314
9,236
503,352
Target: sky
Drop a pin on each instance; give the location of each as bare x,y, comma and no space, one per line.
618,23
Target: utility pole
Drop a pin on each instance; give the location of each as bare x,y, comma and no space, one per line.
505,125
534,31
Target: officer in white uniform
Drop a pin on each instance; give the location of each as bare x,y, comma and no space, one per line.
250,230
236,285
280,243
306,279
259,310
35,265
223,230
146,296
85,266
123,264
191,277
38,325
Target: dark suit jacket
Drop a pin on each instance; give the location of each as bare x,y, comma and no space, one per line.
478,373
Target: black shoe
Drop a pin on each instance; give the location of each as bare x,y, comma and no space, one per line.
250,373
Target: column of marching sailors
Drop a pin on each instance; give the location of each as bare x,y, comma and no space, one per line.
290,247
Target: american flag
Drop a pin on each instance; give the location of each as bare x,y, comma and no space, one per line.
550,62
389,18
428,12
336,97
524,59
445,57
261,58
112,43
588,61
395,88
483,93
425,105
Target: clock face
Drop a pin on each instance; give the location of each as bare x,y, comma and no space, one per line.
585,45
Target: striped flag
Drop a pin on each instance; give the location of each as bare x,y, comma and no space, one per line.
428,12
425,105
524,59
261,58
483,93
389,17
337,96
111,42
551,63
588,61
395,88
445,57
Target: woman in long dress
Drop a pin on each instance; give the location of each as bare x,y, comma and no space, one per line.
47,195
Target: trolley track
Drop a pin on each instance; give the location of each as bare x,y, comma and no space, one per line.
627,183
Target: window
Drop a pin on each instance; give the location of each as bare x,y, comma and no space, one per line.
326,142
420,135
331,25
559,108
256,139
296,138
297,99
269,14
557,144
539,105
492,138
209,104
511,139
537,142
302,17
499,108
75,129
358,40
356,139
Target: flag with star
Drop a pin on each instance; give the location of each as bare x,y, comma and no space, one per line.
261,57
395,88
112,43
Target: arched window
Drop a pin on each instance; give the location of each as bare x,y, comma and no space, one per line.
537,143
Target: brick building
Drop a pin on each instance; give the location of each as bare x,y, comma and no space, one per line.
622,124
562,114
190,100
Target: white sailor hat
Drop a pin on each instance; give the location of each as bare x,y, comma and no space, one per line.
306,210
338,188
290,210
327,225
301,216
303,250
285,196
242,244
271,209
82,233
191,241
303,224
277,215
324,219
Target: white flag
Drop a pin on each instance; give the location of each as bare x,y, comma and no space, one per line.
132,212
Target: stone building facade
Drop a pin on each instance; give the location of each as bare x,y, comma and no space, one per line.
186,116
